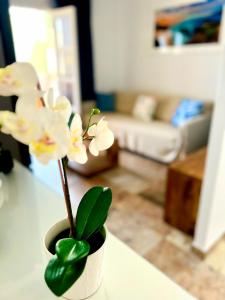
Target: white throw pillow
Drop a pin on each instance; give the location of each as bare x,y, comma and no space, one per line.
144,108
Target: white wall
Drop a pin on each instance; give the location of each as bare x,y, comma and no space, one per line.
211,216
109,46
125,59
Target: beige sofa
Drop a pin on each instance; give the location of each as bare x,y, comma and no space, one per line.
157,139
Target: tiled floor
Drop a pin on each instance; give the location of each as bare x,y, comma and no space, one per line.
138,221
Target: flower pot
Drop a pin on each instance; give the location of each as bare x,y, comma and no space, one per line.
91,278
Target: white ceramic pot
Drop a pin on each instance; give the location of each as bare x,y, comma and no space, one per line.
91,278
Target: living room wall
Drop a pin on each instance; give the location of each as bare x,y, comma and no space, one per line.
124,57
211,222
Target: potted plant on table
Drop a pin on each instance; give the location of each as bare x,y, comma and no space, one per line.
53,132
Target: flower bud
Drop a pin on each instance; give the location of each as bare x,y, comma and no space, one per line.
95,111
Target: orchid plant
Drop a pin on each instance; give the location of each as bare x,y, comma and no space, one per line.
52,131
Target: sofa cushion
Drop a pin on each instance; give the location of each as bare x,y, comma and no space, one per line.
166,108
186,110
125,102
105,101
144,108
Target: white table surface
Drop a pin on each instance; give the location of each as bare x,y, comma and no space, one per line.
30,210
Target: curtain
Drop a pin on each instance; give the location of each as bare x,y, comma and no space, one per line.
7,56
85,45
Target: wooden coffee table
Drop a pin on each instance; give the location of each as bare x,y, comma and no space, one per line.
183,191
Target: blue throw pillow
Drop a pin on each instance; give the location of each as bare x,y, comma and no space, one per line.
186,110
106,102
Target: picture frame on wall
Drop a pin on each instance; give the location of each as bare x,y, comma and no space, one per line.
191,24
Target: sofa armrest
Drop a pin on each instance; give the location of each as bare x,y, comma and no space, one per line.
195,132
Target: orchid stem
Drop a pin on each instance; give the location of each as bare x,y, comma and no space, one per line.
88,125
62,170
65,187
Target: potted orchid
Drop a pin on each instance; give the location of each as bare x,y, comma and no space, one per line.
53,132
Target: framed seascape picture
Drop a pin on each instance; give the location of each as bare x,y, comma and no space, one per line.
198,23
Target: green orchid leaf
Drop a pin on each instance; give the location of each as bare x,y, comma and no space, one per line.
84,209
60,277
70,250
92,211
71,119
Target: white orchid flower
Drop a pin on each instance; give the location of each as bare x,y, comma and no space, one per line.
21,79
47,135
20,128
3,117
44,129
77,150
61,105
17,79
53,142
24,124
28,104
103,137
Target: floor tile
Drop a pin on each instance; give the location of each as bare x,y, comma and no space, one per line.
131,229
207,284
180,239
128,181
151,213
216,258
177,260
